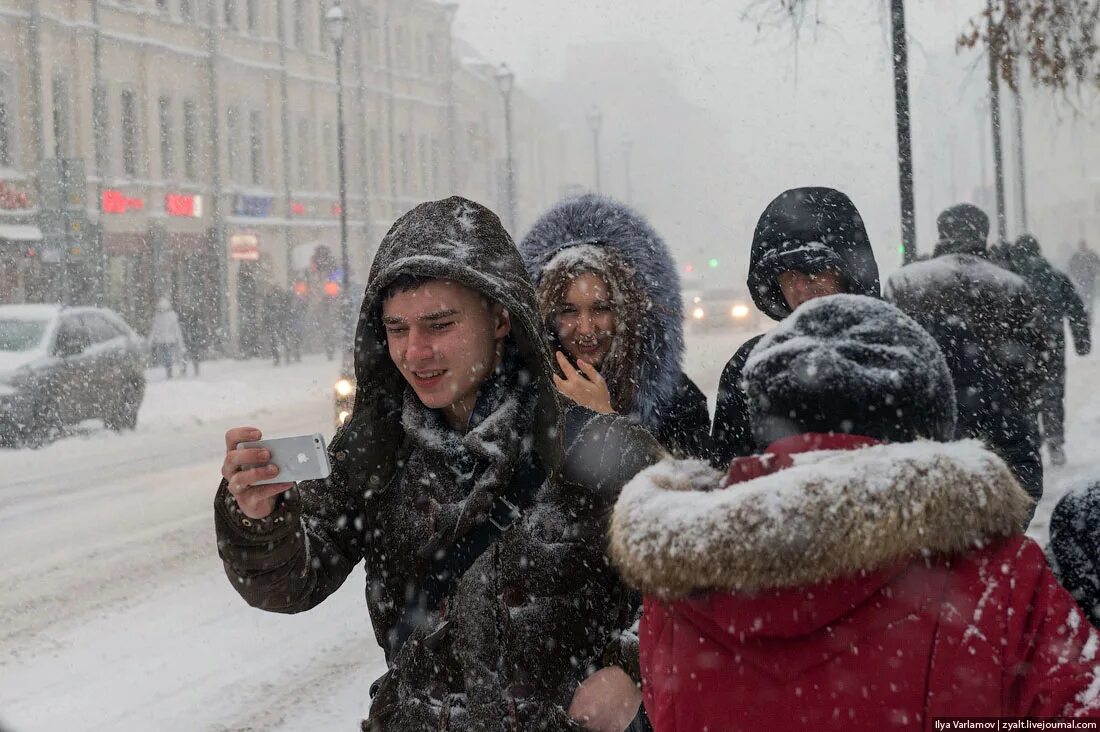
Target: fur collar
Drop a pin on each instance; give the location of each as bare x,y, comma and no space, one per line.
834,514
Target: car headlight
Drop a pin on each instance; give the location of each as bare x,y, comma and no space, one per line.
343,416
698,313
740,311
344,387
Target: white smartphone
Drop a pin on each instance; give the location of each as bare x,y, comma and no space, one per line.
299,458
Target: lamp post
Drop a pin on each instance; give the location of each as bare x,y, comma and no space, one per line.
505,81
336,21
628,147
595,119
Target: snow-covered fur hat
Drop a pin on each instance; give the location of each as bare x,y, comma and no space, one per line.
852,364
602,223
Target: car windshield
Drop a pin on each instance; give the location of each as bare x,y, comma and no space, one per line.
18,334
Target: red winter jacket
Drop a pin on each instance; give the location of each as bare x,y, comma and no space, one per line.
877,588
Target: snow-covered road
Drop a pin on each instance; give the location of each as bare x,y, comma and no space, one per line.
114,611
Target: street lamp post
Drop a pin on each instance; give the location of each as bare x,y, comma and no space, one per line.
628,147
595,119
505,80
336,22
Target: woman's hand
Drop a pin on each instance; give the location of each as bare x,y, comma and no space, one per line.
585,387
607,701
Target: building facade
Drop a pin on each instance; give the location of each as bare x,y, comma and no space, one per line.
189,148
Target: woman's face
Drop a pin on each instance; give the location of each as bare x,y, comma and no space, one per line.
586,319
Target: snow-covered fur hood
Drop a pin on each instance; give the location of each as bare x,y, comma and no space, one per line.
833,514
597,221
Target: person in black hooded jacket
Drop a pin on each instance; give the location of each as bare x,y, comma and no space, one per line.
987,321
609,296
1058,302
809,242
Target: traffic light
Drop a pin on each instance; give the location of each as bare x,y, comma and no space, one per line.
713,263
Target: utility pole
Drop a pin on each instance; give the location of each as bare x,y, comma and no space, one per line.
904,135
595,119
1021,170
336,22
217,243
995,122
505,81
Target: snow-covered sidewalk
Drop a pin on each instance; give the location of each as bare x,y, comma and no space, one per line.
114,610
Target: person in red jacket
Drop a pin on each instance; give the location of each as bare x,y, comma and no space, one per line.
864,572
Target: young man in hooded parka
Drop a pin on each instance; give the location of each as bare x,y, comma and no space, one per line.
456,428
609,296
808,243
863,573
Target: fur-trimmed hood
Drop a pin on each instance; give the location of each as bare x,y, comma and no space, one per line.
834,514
602,222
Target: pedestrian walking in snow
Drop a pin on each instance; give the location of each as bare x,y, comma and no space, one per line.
277,322
475,496
864,572
809,242
1084,268
165,337
610,298
988,323
1059,303
194,337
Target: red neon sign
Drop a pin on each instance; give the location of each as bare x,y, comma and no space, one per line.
297,209
178,204
117,202
12,200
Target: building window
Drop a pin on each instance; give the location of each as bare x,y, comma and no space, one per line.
187,12
322,31
256,146
62,117
100,127
330,153
190,139
300,23
402,49
229,13
376,161
305,150
167,151
437,166
403,147
233,142
162,6
7,121
433,54
252,11
422,159
129,133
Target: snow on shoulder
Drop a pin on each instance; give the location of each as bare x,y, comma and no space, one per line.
833,514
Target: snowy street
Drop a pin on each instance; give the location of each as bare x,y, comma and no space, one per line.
114,610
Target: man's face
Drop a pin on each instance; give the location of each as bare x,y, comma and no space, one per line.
799,287
444,338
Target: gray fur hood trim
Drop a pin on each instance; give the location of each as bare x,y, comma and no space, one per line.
602,222
833,514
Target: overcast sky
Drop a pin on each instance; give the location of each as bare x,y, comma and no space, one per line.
820,112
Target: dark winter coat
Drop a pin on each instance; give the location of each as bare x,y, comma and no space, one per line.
595,234
862,586
520,629
1074,549
987,323
804,230
1058,301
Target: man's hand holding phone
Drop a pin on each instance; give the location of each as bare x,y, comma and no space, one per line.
246,466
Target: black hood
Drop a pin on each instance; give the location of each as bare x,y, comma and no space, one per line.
963,229
462,241
810,230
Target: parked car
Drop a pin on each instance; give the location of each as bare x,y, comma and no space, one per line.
61,365
722,308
